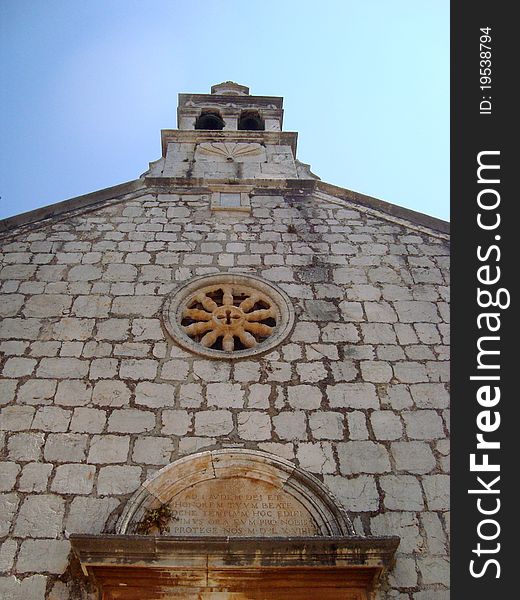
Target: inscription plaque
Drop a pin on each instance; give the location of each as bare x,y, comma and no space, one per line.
238,506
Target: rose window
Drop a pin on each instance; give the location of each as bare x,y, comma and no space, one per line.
228,315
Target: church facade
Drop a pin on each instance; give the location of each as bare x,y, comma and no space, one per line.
224,379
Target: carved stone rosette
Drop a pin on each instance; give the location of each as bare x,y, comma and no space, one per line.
228,315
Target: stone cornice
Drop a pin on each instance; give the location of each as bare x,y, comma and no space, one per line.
285,138
341,551
296,187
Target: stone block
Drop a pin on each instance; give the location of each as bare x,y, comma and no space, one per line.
8,550
245,371
47,305
136,306
147,329
11,304
175,370
415,311
437,491
345,370
8,474
71,329
211,371
357,425
190,395
37,391
92,306
414,457
363,457
111,393
51,418
192,444
152,450
88,420
22,329
155,395
423,425
352,395
311,372
35,477
136,369
305,332
321,310
290,425
16,418
349,275
113,329
84,273
131,420
386,425
211,423
380,312
8,506
403,524
116,480
106,449
7,391
25,446
33,587
304,396
430,395
103,368
383,275
176,422
316,457
18,366
225,395
410,372
376,371
404,573
254,425
434,569
378,333
326,425
258,396
351,311
358,494
397,397
402,492
62,368
89,515
435,537
73,479
43,556
40,516
340,333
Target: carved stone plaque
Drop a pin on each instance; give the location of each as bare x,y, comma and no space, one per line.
232,494
238,507
230,151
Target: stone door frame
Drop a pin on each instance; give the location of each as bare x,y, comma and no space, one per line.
131,567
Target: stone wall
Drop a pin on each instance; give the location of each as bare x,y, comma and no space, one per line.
96,397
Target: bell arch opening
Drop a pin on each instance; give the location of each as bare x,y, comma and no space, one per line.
250,120
209,120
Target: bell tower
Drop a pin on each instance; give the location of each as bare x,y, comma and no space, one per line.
229,137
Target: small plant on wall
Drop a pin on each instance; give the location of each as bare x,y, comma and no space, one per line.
155,520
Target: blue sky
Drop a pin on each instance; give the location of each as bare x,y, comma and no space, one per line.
86,87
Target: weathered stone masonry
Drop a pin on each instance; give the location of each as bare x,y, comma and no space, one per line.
95,395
